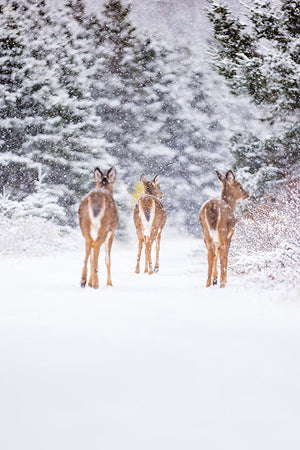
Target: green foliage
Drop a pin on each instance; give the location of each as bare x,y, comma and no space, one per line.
258,54
261,56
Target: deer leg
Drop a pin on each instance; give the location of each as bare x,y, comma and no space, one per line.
146,256
157,244
211,257
148,247
140,247
223,264
214,268
91,279
108,244
88,246
94,281
227,251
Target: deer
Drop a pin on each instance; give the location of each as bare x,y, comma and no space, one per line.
98,219
149,218
218,221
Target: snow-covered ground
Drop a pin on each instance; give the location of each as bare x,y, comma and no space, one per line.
156,362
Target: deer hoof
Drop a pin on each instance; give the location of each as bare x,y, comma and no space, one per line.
156,269
82,284
137,270
215,282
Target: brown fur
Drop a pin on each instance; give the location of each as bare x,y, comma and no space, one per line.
98,207
149,232
212,215
147,204
218,222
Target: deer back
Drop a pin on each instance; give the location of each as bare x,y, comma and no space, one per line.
98,214
149,216
217,217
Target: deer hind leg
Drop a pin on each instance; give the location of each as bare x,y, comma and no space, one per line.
88,246
94,281
214,268
148,263
146,239
108,244
223,278
157,245
140,247
223,252
211,259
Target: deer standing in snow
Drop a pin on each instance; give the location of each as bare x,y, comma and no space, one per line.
149,218
98,219
218,222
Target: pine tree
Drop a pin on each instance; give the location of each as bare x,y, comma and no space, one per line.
17,171
53,107
261,58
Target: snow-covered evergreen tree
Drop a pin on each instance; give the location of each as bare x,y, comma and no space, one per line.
91,90
18,173
259,55
53,103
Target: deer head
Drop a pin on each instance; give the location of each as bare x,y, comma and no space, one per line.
152,187
105,181
232,190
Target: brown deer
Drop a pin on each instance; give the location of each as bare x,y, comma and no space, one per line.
149,218
218,222
98,219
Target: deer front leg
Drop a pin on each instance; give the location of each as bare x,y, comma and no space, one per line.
157,244
140,247
108,244
88,246
227,251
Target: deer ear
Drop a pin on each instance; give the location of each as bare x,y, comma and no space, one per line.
155,178
230,176
143,178
98,175
111,175
220,176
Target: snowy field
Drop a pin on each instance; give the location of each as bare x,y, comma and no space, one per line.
156,362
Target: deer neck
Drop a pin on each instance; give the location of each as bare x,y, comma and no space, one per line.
148,192
228,199
107,188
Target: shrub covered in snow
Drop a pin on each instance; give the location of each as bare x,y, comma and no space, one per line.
266,243
34,236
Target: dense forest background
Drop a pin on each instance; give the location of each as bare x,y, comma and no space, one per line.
82,87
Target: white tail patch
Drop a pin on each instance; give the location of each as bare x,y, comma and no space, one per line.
95,221
214,235
147,224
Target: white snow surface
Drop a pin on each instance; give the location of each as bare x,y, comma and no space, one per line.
156,362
